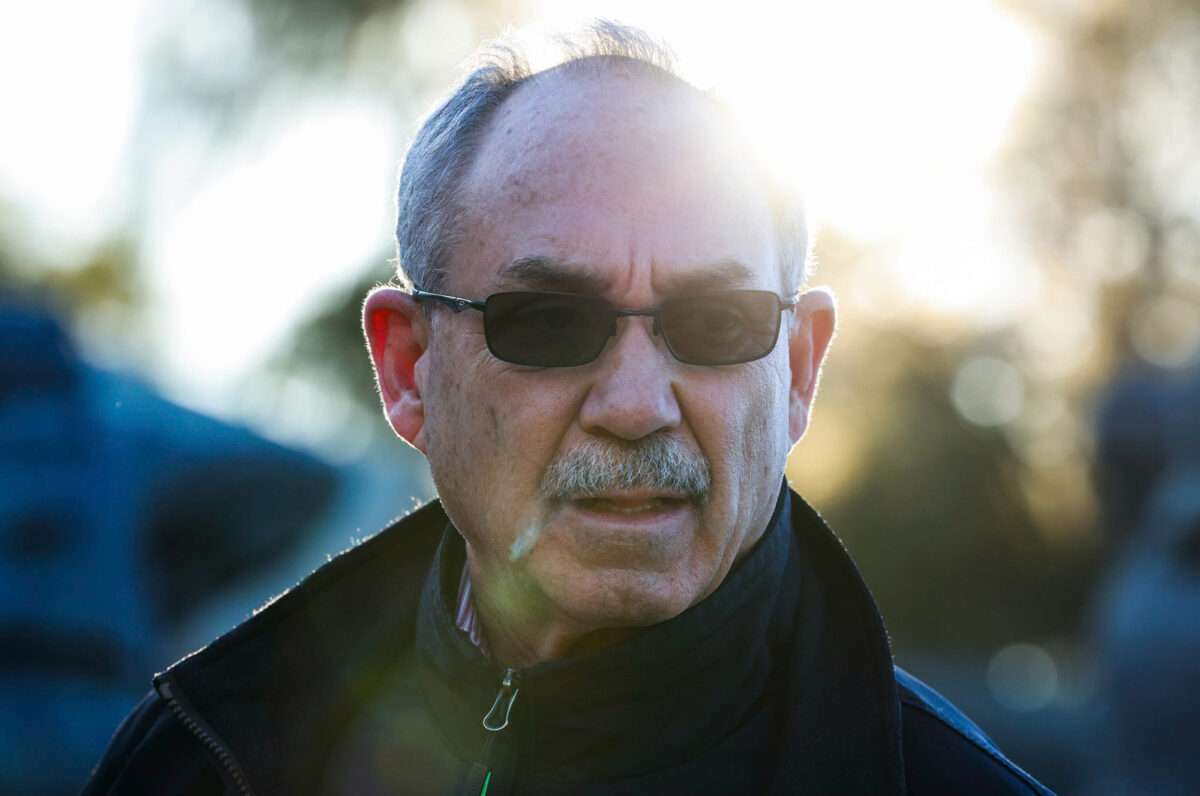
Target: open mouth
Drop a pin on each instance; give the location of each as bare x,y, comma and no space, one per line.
633,505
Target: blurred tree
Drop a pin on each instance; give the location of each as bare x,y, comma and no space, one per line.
931,505
329,349
1105,169
955,460
214,75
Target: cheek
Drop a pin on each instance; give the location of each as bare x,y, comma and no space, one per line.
442,402
756,433
459,426
491,429
491,432
770,431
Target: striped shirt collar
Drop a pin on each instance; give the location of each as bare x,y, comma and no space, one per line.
465,616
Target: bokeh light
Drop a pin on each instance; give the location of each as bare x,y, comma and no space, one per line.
1023,677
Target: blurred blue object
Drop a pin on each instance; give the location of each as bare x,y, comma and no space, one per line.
126,522
1147,614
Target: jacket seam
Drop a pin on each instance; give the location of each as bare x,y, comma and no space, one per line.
1006,764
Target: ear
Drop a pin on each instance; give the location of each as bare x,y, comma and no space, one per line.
816,320
398,336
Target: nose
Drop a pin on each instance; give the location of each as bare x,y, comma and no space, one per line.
633,394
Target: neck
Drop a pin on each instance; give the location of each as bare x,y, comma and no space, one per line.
517,637
516,650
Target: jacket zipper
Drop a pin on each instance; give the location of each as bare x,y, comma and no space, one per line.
215,745
504,702
494,721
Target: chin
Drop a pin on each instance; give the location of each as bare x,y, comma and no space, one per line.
624,599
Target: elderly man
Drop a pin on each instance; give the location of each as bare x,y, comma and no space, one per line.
605,361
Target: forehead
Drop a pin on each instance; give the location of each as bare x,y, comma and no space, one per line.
614,173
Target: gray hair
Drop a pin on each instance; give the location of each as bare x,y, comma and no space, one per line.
428,212
660,461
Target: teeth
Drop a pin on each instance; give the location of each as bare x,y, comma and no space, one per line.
604,504
634,509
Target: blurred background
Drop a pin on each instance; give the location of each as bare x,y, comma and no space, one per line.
195,196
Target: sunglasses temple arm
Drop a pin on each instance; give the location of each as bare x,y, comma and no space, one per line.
453,302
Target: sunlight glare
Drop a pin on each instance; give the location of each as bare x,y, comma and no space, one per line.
887,114
289,222
69,76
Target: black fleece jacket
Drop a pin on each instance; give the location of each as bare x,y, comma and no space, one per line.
358,682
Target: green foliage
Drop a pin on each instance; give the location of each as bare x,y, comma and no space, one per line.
329,346
937,520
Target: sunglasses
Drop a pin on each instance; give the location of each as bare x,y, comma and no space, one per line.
560,330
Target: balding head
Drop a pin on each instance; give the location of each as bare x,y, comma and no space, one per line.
430,200
620,135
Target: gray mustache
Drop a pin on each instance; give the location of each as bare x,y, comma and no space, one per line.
660,461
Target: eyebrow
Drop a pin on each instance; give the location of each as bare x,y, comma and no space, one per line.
539,272
723,274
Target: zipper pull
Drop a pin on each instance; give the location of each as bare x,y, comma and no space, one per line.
497,718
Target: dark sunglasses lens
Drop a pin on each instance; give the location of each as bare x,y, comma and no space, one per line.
721,328
547,330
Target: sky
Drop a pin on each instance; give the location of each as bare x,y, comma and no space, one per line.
889,115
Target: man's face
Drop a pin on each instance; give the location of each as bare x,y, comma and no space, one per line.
616,186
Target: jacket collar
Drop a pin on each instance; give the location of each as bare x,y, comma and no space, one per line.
663,696
843,729
278,687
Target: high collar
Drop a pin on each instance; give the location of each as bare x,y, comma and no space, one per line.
331,646
661,697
